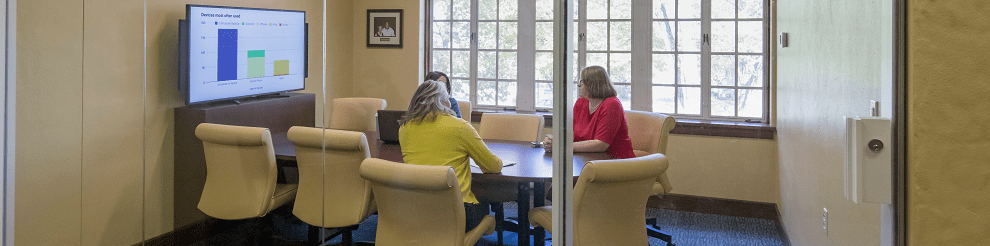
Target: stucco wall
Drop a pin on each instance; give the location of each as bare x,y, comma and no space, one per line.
831,70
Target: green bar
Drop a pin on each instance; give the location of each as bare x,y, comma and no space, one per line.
256,53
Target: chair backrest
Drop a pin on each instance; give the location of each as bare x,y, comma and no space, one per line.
610,200
355,113
331,191
649,131
240,171
465,110
417,204
518,127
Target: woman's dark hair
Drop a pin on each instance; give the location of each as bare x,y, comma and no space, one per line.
435,76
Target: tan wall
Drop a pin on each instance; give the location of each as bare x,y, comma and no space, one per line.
831,70
948,138
389,73
743,169
83,119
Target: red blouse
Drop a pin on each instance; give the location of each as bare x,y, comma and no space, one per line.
607,124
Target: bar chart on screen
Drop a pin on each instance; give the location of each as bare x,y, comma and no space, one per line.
245,52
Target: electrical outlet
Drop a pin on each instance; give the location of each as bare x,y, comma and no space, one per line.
825,221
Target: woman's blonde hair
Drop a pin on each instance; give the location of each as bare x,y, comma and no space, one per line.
427,103
596,82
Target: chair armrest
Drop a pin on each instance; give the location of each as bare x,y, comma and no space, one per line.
486,227
541,217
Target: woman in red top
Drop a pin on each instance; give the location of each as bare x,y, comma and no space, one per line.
599,119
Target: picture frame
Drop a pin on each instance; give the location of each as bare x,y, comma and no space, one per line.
385,28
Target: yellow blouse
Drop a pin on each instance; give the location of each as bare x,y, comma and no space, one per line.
448,141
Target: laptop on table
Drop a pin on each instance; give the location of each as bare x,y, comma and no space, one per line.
388,125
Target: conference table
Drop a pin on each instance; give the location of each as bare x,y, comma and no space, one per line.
533,168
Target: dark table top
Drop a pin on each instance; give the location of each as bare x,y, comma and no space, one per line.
532,163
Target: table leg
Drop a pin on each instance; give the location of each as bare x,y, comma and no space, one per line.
539,200
523,213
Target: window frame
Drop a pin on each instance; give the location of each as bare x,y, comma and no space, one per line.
641,54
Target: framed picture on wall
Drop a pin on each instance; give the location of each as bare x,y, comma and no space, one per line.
385,28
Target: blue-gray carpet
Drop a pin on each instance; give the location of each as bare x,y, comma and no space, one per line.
687,228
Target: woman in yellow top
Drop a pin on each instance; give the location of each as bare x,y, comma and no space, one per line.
430,135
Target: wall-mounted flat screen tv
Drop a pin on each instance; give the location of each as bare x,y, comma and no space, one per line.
234,52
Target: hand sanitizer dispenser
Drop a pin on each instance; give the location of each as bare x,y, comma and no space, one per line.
868,172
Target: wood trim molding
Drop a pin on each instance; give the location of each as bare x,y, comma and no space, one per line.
684,127
712,205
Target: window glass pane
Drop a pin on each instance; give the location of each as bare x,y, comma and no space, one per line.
544,95
751,71
663,99
544,9
663,70
461,89
441,60
619,68
689,69
663,36
461,36
441,9
751,36
486,64
486,92
597,9
663,9
576,10
723,9
750,103
597,38
689,36
544,35
624,93
441,35
723,102
689,9
507,93
507,65
597,59
723,36
486,35
507,35
461,64
750,8
723,70
508,9
688,100
462,9
621,9
544,66
577,70
620,34
487,9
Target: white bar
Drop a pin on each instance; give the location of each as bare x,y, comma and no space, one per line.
526,56
642,56
563,229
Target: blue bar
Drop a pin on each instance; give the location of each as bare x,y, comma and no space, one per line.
226,54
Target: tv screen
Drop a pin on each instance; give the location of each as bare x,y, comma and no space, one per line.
236,52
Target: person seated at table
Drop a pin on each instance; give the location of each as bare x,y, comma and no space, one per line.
430,135
442,77
599,119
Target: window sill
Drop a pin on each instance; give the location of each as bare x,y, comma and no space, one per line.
684,126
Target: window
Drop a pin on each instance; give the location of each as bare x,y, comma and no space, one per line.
699,59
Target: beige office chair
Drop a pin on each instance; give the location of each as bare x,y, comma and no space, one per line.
240,173
356,114
652,131
331,192
610,201
517,127
649,133
420,205
465,110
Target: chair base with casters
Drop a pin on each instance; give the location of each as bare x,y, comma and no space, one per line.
654,231
346,233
